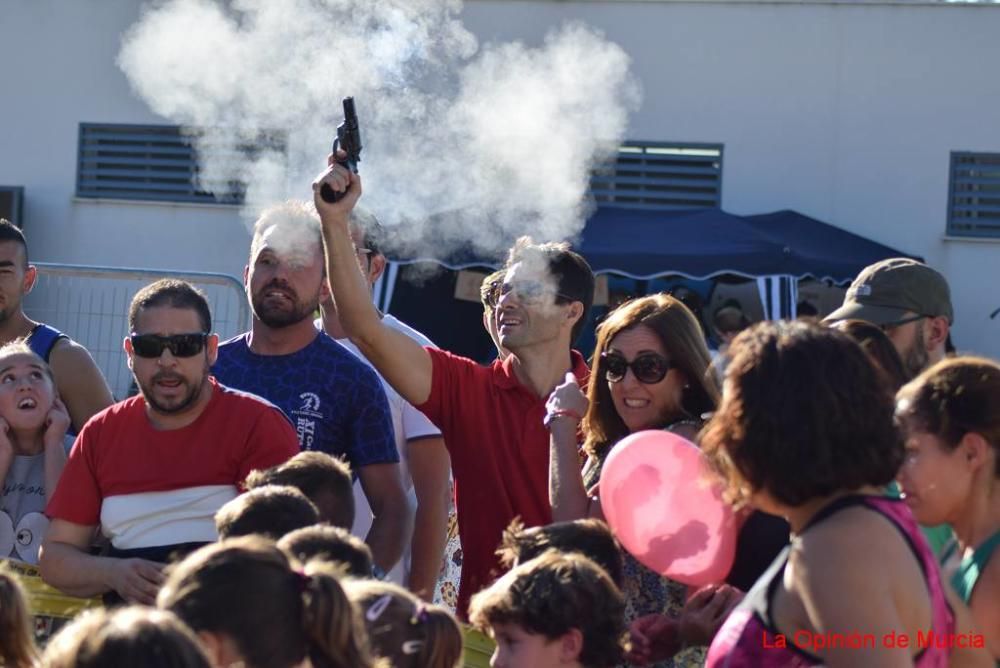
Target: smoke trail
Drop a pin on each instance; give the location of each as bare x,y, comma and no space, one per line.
493,141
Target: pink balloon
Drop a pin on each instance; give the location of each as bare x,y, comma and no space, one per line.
666,508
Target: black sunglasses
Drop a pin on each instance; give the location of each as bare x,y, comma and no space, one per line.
180,345
530,292
649,368
899,323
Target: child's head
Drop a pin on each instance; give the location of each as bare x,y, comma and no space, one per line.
27,388
324,479
17,645
333,544
271,510
557,609
133,636
249,602
590,537
404,629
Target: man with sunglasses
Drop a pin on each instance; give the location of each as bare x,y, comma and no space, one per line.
491,417
335,400
152,471
910,302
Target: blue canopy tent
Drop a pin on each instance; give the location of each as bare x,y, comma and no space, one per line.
776,249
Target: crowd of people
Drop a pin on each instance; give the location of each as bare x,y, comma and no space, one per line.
331,489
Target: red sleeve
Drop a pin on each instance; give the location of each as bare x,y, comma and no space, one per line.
271,442
78,497
448,377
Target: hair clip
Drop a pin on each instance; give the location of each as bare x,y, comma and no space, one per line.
376,609
413,646
302,579
419,614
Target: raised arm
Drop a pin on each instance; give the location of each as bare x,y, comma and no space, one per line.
56,425
80,383
567,495
6,450
401,360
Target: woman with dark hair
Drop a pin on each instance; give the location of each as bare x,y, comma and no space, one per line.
249,603
650,370
805,430
950,415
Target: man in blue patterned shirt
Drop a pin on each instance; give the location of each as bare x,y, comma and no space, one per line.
335,400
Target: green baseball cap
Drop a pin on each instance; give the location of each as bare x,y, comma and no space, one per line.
885,291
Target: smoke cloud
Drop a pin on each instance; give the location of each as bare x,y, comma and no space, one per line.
490,141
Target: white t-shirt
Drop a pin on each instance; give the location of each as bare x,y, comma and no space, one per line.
407,423
22,509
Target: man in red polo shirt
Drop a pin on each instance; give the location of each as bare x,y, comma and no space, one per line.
491,417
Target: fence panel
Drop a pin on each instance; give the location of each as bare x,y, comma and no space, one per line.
90,304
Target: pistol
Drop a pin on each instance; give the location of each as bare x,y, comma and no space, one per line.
348,139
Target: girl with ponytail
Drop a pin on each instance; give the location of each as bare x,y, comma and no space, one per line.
249,603
404,629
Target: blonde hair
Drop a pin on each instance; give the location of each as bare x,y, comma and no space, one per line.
17,644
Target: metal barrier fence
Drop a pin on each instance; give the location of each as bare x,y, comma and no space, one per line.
90,304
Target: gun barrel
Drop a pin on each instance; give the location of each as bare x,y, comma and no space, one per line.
350,115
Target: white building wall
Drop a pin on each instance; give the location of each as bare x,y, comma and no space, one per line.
58,71
844,111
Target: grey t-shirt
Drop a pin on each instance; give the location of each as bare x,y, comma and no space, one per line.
22,509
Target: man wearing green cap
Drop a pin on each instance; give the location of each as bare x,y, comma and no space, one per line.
910,302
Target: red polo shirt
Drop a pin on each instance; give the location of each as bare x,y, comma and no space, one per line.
492,425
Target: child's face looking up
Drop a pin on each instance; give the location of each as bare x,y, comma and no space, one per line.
26,392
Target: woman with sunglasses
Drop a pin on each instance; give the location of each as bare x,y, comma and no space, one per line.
650,370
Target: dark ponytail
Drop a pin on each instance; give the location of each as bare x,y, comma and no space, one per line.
334,630
249,591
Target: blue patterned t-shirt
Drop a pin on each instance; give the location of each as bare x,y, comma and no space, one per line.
335,401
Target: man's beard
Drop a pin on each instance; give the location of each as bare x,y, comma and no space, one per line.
276,317
7,311
187,400
916,358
